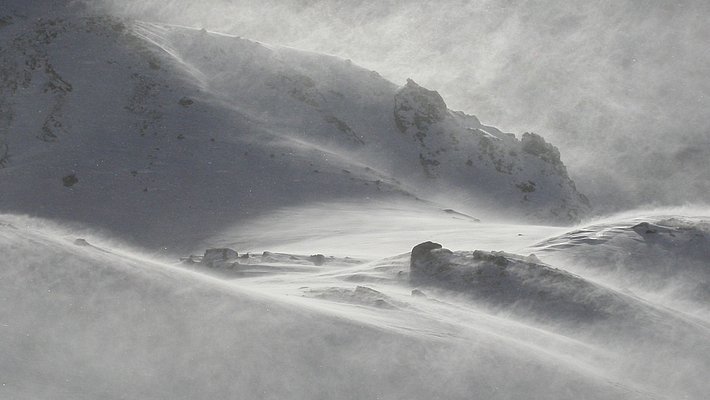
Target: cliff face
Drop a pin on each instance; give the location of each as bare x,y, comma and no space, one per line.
526,173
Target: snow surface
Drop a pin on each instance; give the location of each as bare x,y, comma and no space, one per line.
87,317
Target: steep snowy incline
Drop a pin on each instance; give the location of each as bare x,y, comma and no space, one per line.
167,135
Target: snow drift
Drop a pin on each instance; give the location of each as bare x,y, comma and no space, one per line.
665,257
90,321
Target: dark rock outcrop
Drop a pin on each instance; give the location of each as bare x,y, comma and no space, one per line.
215,257
518,284
418,107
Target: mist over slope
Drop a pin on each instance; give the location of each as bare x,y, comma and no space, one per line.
618,86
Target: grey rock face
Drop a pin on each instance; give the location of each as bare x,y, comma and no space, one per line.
526,172
214,257
418,106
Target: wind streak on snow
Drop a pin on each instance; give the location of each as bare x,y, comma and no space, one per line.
373,229
152,33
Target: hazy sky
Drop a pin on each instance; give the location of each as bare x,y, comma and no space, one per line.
620,86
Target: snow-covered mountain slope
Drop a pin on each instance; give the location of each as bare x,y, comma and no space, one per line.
101,130
166,135
407,131
664,257
86,318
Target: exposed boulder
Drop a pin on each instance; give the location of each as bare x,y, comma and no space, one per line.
70,180
317,259
216,256
423,263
